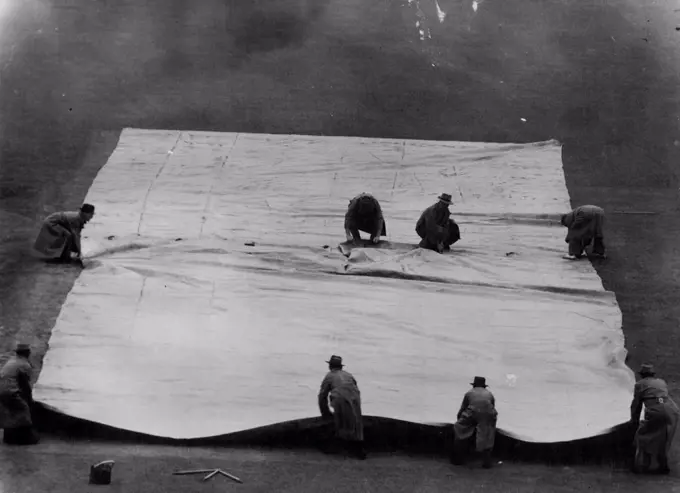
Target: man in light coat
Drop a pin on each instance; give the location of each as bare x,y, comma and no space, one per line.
59,236
477,415
656,430
16,398
364,214
436,228
345,399
585,226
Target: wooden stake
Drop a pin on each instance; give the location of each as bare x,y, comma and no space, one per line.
233,478
211,474
194,471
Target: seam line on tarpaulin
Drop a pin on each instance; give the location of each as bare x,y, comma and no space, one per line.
220,170
153,182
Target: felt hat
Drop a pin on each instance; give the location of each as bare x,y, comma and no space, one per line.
335,361
646,369
22,347
479,382
87,208
446,198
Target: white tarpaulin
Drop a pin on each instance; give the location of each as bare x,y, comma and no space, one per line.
177,328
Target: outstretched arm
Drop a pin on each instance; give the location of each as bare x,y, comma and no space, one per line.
350,231
378,229
463,406
24,382
636,405
323,398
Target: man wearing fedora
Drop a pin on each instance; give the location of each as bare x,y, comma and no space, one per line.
364,214
16,398
585,225
655,432
59,235
345,399
436,228
477,415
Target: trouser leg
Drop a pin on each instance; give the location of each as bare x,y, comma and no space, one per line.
69,248
598,246
576,248
663,463
486,459
643,462
453,234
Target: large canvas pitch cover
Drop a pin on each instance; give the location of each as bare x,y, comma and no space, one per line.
215,289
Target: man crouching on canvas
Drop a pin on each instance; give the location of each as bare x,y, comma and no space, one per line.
364,214
585,226
59,237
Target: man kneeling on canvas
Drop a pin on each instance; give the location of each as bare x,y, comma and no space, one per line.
364,214
59,236
16,398
585,226
436,228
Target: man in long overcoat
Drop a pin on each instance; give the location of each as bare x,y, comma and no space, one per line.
345,399
585,226
656,430
436,228
59,235
477,416
16,398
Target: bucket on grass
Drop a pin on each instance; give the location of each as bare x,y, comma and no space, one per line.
101,473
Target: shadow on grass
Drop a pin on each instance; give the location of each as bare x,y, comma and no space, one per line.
382,435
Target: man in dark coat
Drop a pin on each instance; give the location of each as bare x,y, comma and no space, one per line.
477,415
655,432
59,236
585,226
345,399
436,228
364,214
16,398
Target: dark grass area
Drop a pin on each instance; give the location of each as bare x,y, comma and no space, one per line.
149,469
600,78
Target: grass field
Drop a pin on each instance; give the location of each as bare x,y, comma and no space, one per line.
602,78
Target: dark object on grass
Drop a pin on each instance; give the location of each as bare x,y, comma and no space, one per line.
101,473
